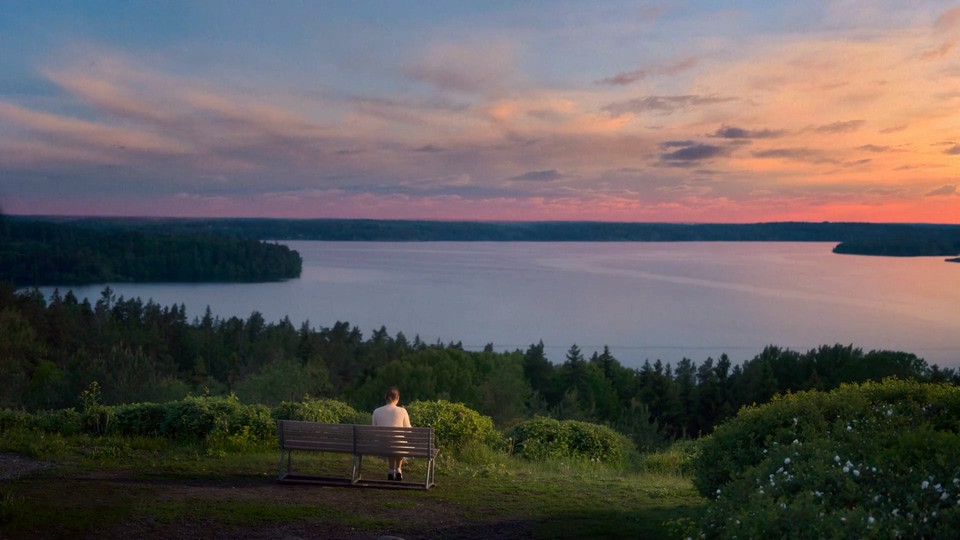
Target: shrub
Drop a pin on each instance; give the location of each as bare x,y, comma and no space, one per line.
146,419
194,419
12,419
546,438
861,461
317,410
63,421
200,417
455,425
677,459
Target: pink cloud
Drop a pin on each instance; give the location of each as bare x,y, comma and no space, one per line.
86,133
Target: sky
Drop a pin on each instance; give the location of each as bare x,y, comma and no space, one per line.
687,111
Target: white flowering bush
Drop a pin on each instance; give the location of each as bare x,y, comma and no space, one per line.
877,460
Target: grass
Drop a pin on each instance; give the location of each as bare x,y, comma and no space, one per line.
117,487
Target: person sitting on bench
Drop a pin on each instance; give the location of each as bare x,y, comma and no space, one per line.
391,415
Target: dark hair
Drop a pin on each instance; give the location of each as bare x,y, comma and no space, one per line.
393,394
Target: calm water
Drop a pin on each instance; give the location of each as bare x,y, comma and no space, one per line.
644,300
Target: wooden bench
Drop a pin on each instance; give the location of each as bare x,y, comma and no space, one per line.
358,440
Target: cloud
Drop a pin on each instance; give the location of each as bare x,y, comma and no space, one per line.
948,20
676,144
538,176
664,104
470,69
428,148
693,153
940,51
840,127
894,129
731,132
629,77
949,189
794,154
87,133
953,150
873,148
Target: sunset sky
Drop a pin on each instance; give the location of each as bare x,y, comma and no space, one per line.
691,111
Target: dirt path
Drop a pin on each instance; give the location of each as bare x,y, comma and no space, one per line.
214,509
13,466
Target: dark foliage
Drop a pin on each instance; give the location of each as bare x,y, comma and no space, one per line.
40,252
862,238
51,350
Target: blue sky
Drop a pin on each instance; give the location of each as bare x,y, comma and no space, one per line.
632,111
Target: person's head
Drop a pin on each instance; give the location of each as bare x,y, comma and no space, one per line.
393,395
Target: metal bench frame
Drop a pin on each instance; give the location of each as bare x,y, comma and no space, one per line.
358,440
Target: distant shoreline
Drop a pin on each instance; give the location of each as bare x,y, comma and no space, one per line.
854,238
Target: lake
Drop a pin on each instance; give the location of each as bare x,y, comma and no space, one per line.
644,300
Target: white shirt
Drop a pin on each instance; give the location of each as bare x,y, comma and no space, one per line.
392,416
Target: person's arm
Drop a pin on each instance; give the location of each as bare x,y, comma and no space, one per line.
406,419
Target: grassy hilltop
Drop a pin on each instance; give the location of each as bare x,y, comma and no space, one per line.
866,461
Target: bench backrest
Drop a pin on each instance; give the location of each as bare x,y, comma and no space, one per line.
299,435
357,439
395,441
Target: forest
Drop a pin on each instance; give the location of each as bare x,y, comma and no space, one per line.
38,252
886,239
54,348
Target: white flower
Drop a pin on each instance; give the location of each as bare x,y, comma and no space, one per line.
786,461
846,469
924,484
796,441
895,511
938,487
849,428
836,458
856,472
871,520
945,496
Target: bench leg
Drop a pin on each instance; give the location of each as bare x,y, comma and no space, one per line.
280,466
357,469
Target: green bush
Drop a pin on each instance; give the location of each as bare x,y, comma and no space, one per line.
11,419
877,459
546,438
317,410
144,419
200,417
194,419
677,459
62,421
456,426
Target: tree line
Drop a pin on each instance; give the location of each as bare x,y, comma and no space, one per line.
52,349
891,239
35,252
